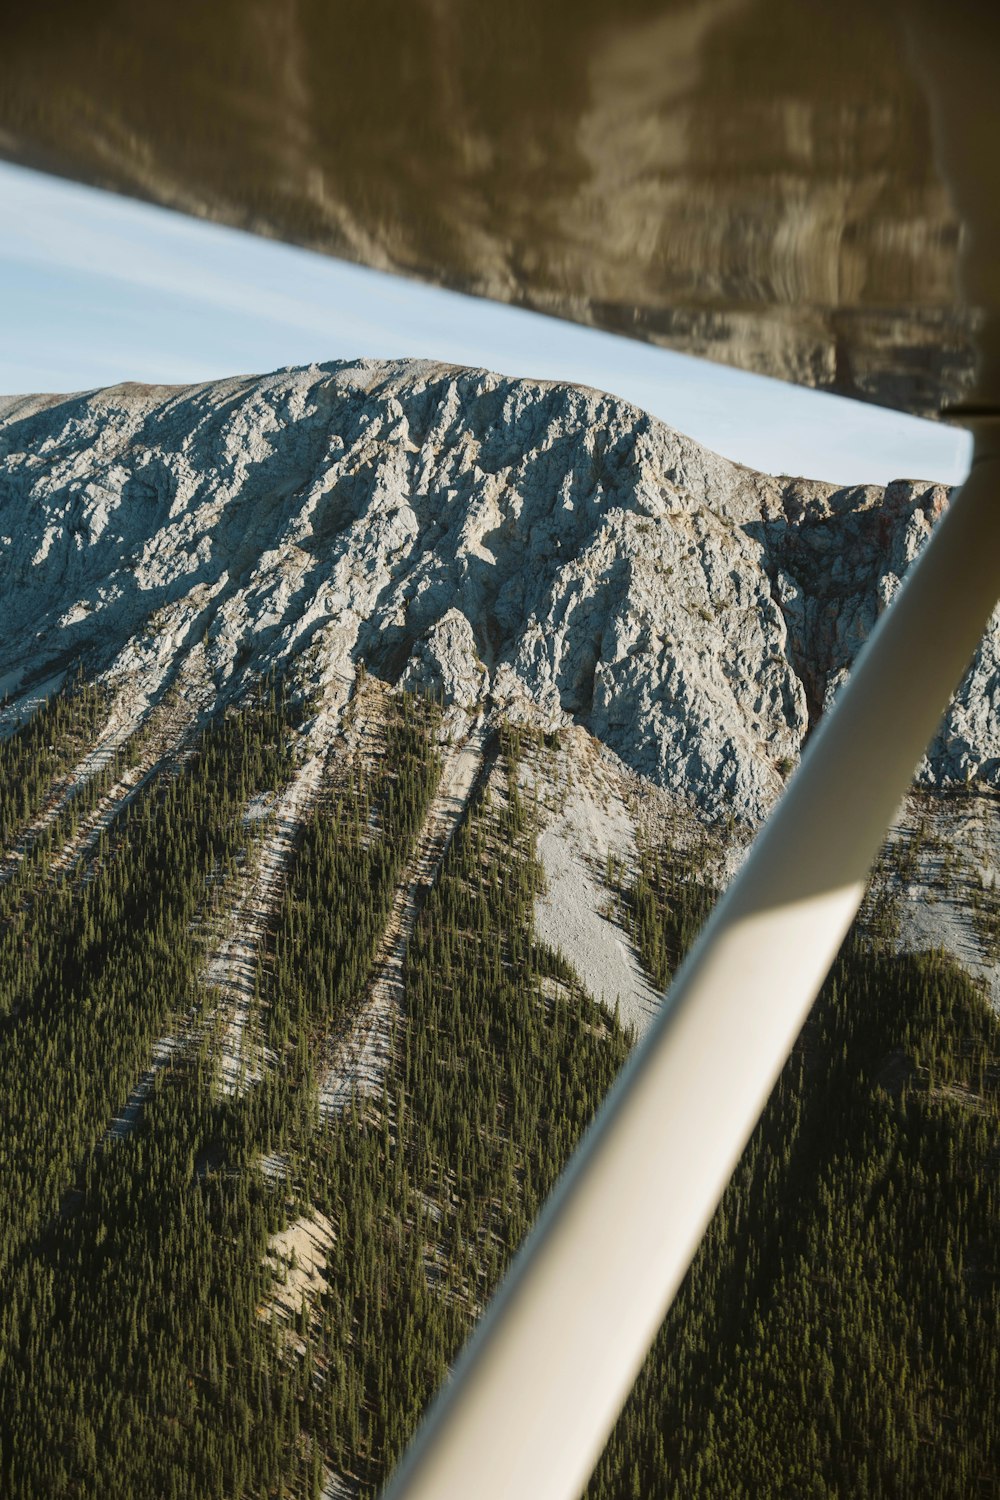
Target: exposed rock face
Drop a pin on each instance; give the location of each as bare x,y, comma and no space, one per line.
445,662
468,533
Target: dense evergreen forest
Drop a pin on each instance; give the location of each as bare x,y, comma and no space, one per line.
839,1331
837,1334
45,748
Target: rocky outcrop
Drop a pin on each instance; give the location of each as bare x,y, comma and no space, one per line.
466,533
446,664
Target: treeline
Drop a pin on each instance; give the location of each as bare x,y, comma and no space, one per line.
664,905
24,878
44,749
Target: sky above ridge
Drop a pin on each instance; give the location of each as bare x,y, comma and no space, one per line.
96,289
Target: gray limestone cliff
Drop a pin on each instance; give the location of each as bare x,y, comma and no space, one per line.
471,533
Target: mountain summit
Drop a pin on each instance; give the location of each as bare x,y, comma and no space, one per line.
542,545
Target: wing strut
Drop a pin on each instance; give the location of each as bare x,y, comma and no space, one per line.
536,1391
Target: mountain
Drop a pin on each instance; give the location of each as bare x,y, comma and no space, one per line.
482,536
376,739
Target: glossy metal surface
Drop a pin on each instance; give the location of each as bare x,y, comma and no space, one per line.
747,179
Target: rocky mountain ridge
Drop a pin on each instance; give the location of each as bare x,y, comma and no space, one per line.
543,545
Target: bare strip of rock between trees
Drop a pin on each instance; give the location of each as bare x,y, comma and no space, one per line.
170,739
111,740
231,970
173,743
359,1060
944,861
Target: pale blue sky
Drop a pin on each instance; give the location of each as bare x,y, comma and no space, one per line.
95,289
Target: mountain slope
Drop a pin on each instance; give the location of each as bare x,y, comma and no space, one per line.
308,984
541,543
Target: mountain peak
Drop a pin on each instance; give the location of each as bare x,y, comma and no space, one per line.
480,535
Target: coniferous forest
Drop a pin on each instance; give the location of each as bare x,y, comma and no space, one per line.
837,1335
